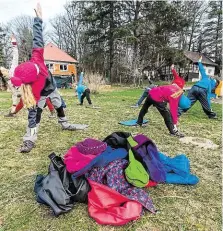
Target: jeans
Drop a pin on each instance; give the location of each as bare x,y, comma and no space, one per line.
163,110
200,94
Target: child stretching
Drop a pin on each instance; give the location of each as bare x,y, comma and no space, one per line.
201,91
16,94
36,86
83,91
144,94
159,97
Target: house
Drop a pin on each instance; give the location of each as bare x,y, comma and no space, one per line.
191,67
60,64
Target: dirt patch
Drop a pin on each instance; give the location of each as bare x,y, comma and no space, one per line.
200,142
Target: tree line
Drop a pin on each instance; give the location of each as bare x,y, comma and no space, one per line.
120,39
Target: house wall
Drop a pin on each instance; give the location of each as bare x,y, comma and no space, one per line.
209,70
57,71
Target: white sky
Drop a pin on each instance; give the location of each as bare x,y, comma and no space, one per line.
12,8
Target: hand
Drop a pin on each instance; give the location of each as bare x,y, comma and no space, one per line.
13,38
200,59
172,66
38,10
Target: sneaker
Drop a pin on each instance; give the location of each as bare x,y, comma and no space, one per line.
214,117
52,115
80,104
10,115
135,106
177,134
27,146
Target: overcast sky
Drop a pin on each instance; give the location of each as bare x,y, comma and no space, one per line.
12,8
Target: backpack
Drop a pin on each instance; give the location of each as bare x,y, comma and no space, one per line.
147,150
135,172
58,190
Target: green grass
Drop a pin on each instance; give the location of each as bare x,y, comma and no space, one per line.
180,207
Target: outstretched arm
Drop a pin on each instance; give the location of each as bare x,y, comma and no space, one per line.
175,74
81,76
38,44
15,56
201,69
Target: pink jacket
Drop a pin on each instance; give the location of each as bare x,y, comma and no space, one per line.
75,161
163,94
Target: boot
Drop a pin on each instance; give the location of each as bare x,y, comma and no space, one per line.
177,134
27,146
52,114
10,114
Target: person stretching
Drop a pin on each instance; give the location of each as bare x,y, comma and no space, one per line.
144,94
83,91
159,97
201,91
36,86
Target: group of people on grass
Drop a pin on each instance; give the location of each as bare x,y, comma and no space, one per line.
159,96
33,86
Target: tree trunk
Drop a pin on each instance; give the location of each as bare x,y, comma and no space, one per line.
111,40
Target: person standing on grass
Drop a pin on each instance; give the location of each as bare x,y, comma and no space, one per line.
201,91
36,86
83,91
159,97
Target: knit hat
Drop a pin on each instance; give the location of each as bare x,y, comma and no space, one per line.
179,82
24,73
91,146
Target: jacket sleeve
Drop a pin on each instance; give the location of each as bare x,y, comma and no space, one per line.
202,70
32,117
173,103
15,59
38,44
175,75
81,76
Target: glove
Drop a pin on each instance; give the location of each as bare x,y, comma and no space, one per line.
33,131
175,128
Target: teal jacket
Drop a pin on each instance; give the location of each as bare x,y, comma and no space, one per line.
80,87
205,81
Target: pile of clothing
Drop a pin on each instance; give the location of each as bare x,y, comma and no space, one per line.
110,176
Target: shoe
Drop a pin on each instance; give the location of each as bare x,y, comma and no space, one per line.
52,115
80,104
10,115
135,106
177,134
27,146
214,117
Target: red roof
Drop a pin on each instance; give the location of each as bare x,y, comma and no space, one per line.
53,53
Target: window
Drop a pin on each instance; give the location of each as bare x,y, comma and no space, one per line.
49,66
209,71
63,67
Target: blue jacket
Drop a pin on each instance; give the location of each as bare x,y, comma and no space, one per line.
80,88
205,81
103,159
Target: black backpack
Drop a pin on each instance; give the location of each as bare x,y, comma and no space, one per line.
58,190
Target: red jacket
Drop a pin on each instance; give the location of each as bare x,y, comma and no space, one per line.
177,79
163,94
38,85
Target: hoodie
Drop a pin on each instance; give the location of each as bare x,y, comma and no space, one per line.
163,94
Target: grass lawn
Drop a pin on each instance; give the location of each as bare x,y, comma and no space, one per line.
180,207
